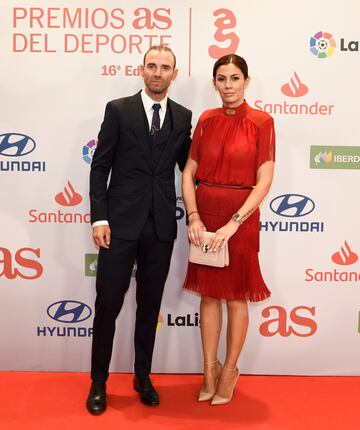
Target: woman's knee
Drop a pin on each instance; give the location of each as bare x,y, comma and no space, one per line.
210,301
238,307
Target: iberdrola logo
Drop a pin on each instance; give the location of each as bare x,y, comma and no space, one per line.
323,157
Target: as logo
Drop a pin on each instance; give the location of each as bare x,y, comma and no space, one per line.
69,197
298,322
226,20
24,264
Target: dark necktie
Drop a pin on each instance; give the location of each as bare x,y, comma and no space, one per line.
155,123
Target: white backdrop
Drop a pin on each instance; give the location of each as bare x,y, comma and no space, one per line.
61,62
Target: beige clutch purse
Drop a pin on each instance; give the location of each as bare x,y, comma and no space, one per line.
203,255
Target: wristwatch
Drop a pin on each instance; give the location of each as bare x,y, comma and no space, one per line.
237,217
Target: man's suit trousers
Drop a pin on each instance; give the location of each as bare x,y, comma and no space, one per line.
113,277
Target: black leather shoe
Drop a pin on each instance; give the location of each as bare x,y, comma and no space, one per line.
96,401
148,394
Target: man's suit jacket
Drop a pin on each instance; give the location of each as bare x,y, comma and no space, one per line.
136,184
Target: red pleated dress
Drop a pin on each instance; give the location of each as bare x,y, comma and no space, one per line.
229,149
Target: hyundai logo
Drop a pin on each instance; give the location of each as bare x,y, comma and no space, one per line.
16,144
292,205
69,311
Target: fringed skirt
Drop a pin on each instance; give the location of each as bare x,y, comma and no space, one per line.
242,279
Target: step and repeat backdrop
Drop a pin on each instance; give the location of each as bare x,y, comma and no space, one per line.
61,61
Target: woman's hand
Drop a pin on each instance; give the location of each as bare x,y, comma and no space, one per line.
223,235
195,231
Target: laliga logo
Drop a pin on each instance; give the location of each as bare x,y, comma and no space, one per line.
180,212
345,256
69,197
159,323
88,151
322,44
294,88
225,21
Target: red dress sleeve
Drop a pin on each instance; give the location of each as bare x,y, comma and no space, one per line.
194,149
265,143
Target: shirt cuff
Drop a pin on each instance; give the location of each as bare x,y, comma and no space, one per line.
101,222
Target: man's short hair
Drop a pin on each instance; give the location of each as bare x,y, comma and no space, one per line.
164,48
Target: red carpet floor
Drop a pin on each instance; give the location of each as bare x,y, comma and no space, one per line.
52,401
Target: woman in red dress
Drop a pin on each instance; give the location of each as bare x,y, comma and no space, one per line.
232,161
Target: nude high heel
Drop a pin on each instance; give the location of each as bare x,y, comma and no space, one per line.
219,400
212,372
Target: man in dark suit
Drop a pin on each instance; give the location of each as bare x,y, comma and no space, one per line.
141,139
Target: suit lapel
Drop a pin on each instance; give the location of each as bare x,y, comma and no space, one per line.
139,123
170,140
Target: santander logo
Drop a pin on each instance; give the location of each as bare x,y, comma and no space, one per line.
69,197
345,256
294,88
341,276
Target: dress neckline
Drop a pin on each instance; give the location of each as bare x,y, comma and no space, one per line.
237,111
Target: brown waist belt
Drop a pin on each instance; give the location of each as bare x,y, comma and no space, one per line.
240,187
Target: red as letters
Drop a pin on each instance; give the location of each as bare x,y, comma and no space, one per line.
281,324
152,19
29,268
225,21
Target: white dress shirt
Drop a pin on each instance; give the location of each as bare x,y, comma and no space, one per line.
148,104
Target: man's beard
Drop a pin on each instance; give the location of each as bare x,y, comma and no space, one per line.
157,89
